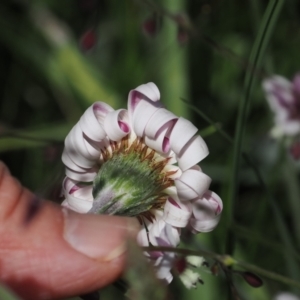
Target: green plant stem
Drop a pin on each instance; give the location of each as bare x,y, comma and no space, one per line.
216,125
256,55
229,261
260,239
281,226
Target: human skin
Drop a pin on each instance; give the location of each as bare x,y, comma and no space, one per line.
48,252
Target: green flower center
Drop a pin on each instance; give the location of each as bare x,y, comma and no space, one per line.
131,181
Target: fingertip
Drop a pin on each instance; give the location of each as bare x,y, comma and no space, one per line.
40,252
98,237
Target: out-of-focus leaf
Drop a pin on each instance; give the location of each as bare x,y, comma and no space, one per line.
21,139
55,57
141,277
6,294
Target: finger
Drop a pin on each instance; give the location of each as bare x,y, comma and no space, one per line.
52,252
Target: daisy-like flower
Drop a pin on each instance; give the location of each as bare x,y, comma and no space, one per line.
284,99
141,162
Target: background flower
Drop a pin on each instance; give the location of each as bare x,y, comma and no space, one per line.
284,99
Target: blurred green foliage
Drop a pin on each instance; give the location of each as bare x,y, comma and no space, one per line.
57,57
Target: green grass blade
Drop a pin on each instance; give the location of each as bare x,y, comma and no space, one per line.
29,138
259,48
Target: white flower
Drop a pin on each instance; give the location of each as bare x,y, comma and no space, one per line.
141,162
286,296
284,99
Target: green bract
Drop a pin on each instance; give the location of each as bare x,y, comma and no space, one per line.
130,183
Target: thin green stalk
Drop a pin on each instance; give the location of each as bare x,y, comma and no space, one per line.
281,226
268,22
229,261
260,239
216,125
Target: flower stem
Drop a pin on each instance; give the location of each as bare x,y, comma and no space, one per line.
258,50
229,261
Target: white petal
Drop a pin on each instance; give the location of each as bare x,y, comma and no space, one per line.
92,147
163,234
145,91
160,143
87,176
182,132
193,152
163,271
142,238
275,87
81,145
192,184
116,124
141,115
85,192
204,225
90,125
190,278
79,205
75,147
176,214
68,184
289,127
78,198
159,119
68,162
206,212
101,109
172,234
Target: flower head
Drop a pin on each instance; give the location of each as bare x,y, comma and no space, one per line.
141,162
284,99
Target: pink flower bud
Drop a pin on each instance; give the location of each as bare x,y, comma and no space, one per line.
252,279
88,40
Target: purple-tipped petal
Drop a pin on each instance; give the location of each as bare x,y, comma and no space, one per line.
112,122
90,125
161,143
148,91
101,109
160,118
141,116
78,199
192,153
182,132
82,145
206,212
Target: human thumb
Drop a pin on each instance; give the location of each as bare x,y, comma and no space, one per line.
49,252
